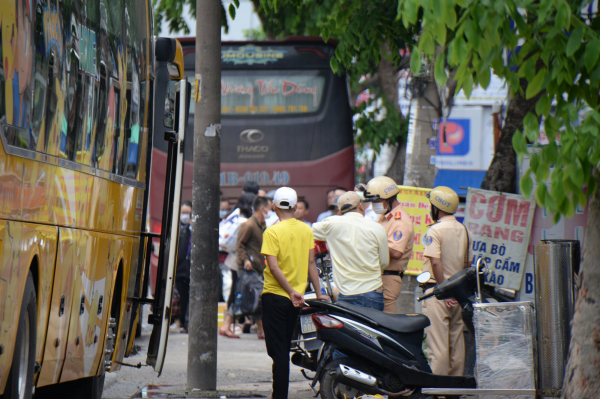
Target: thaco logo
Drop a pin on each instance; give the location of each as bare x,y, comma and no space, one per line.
252,136
456,140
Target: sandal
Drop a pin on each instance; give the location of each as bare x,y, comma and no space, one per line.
227,333
261,335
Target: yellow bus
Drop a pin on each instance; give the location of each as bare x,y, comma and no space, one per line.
78,84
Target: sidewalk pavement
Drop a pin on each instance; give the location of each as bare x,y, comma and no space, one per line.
243,370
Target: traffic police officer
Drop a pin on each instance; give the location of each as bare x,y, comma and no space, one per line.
382,192
447,251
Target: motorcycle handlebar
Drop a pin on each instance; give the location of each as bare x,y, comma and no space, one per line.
425,296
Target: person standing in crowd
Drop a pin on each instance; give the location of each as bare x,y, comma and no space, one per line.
368,207
271,217
262,193
182,273
447,251
223,213
251,187
223,209
289,249
382,192
359,252
301,211
249,244
228,231
331,208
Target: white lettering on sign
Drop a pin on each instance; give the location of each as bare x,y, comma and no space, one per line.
501,226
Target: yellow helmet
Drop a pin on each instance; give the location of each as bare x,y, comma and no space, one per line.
443,198
381,187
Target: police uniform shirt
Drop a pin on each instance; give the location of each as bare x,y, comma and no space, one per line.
401,236
447,241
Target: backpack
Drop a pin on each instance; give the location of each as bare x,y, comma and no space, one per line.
247,294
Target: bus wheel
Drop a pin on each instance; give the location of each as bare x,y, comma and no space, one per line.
20,379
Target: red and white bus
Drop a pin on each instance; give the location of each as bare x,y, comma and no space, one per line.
286,121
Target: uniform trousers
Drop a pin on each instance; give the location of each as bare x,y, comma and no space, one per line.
445,340
392,285
279,320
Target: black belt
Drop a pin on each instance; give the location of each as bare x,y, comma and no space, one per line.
393,273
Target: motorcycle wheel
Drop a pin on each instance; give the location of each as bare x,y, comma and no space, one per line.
330,388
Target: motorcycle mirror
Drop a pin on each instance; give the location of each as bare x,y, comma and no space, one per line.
423,277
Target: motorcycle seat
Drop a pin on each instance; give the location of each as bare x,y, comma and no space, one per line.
402,323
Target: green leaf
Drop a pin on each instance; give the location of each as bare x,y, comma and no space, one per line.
575,41
575,173
540,193
237,3
415,61
543,105
467,85
536,85
439,70
550,153
449,14
232,11
472,33
542,172
592,52
409,14
526,185
484,78
458,51
563,16
335,66
519,143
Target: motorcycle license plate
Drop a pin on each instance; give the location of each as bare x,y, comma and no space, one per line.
306,324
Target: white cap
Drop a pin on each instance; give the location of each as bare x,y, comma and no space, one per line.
285,198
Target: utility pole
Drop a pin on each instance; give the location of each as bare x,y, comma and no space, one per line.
202,339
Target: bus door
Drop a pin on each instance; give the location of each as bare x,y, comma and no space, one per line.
171,108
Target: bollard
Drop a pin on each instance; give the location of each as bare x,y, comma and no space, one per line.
556,266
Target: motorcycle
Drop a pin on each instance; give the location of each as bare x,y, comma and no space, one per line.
366,351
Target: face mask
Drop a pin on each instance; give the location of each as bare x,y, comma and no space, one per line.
378,208
223,213
269,214
185,218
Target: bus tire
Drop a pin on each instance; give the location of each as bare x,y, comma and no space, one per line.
20,379
89,388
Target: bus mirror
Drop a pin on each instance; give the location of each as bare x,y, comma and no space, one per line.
170,51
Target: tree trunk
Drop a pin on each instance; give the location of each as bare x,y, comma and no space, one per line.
582,376
502,173
396,169
388,83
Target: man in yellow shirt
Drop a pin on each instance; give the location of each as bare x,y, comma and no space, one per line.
359,252
289,249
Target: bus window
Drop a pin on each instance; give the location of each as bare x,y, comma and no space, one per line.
41,82
17,77
115,132
51,99
88,111
101,118
70,140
